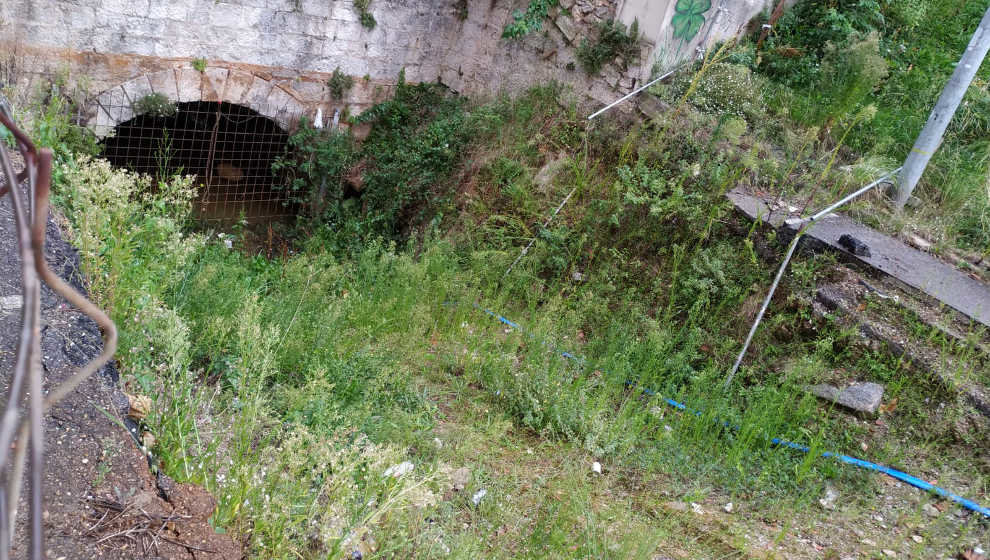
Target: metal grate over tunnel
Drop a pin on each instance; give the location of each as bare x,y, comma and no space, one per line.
229,148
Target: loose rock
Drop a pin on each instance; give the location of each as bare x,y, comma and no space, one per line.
478,496
139,406
10,304
919,242
861,397
828,502
401,469
460,478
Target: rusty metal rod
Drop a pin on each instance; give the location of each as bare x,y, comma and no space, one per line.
30,224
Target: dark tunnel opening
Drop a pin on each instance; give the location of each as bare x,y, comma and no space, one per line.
230,148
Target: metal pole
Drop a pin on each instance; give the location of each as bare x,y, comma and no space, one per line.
634,92
931,136
807,223
545,224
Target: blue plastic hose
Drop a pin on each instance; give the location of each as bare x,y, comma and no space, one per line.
868,465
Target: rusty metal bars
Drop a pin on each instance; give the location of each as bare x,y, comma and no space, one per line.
29,223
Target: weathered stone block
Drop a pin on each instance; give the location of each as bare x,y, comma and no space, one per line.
137,89
861,397
163,82
212,84
188,84
278,98
568,28
237,85
257,97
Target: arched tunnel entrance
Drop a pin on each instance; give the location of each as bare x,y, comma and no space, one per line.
230,148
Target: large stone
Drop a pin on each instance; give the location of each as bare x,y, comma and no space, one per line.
651,106
568,28
163,82
861,397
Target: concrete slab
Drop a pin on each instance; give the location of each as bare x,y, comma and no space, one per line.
916,269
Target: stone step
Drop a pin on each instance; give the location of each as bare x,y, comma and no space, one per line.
960,367
881,293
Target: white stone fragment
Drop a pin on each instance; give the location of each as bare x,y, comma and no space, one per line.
401,469
478,496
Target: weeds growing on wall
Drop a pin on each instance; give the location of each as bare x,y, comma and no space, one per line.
365,17
157,104
529,21
613,41
395,180
339,84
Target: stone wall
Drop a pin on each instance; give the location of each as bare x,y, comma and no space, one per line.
276,55
280,53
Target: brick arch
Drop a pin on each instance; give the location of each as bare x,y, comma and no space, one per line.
115,105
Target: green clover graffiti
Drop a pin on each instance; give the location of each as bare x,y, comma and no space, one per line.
689,16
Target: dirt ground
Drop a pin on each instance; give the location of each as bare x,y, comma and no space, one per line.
101,500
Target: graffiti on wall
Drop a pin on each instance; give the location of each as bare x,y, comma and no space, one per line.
689,18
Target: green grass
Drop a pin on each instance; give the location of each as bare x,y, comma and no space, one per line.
288,387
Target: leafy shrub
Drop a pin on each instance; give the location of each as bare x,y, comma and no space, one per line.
416,139
727,89
368,20
199,64
50,124
339,84
529,21
156,104
808,29
313,167
656,192
613,41
906,14
848,75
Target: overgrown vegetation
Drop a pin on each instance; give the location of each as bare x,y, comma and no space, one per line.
396,178
827,61
529,21
157,104
366,18
339,84
613,42
296,389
